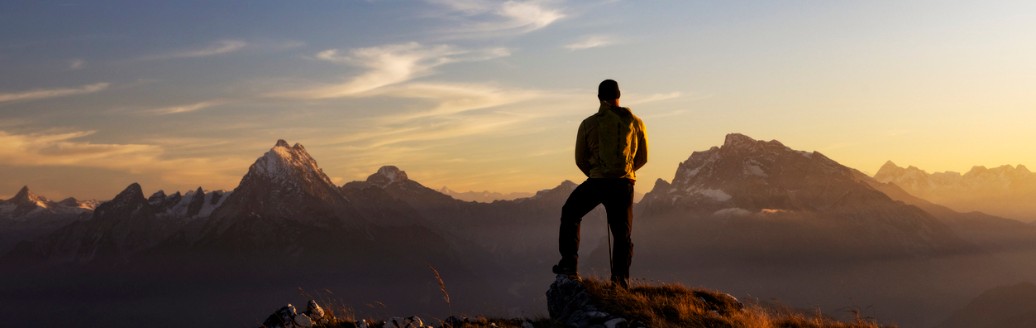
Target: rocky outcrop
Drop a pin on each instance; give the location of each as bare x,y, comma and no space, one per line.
288,317
570,304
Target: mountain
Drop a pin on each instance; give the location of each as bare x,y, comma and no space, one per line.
25,205
753,217
120,228
1005,191
27,216
285,226
513,241
482,196
284,194
1012,306
760,218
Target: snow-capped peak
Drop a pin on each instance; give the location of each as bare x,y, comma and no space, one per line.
287,166
27,198
387,175
283,161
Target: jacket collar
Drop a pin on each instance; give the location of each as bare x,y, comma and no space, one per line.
606,107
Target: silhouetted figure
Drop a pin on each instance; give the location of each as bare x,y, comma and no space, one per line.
610,146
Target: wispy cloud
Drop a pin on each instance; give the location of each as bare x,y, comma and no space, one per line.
52,93
185,108
451,99
67,149
654,97
213,49
388,65
593,41
486,18
76,63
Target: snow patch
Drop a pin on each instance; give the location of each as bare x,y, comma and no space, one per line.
754,168
714,194
732,211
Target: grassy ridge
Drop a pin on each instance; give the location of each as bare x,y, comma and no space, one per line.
673,305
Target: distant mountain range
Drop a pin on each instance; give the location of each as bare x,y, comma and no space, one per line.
482,196
753,217
1008,191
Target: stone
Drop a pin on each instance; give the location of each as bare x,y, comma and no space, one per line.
303,320
616,323
315,312
282,318
408,322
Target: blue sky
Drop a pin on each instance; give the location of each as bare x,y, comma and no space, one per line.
487,95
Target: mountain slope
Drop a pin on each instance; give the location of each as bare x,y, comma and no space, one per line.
757,217
1011,306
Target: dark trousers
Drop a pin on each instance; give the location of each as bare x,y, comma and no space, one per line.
617,196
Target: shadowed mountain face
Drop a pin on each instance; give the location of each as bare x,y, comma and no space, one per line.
752,217
1006,191
759,218
1011,306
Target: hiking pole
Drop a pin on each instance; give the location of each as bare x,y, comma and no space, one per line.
611,265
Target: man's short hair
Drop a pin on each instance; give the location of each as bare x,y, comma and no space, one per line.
608,90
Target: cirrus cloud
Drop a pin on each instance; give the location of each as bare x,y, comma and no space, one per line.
67,149
482,18
388,65
52,93
213,49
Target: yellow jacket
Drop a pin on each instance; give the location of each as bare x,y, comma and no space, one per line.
611,143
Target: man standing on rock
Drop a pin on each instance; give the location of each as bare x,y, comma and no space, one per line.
610,146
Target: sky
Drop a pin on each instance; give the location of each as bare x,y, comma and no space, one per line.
487,95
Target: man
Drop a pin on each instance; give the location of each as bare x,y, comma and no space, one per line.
610,146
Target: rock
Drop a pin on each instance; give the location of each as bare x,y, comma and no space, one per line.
303,320
616,323
315,312
569,303
408,322
282,318
719,302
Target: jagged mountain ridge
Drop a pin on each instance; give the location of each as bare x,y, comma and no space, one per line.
1006,191
286,209
27,216
121,227
26,205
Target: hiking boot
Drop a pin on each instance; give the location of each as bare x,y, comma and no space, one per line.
566,268
621,282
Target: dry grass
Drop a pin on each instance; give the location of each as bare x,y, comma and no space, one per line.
672,305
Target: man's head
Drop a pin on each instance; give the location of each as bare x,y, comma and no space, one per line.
608,91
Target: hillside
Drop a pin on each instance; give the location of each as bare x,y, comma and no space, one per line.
1011,306
588,302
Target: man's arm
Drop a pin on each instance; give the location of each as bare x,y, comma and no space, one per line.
582,149
642,147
